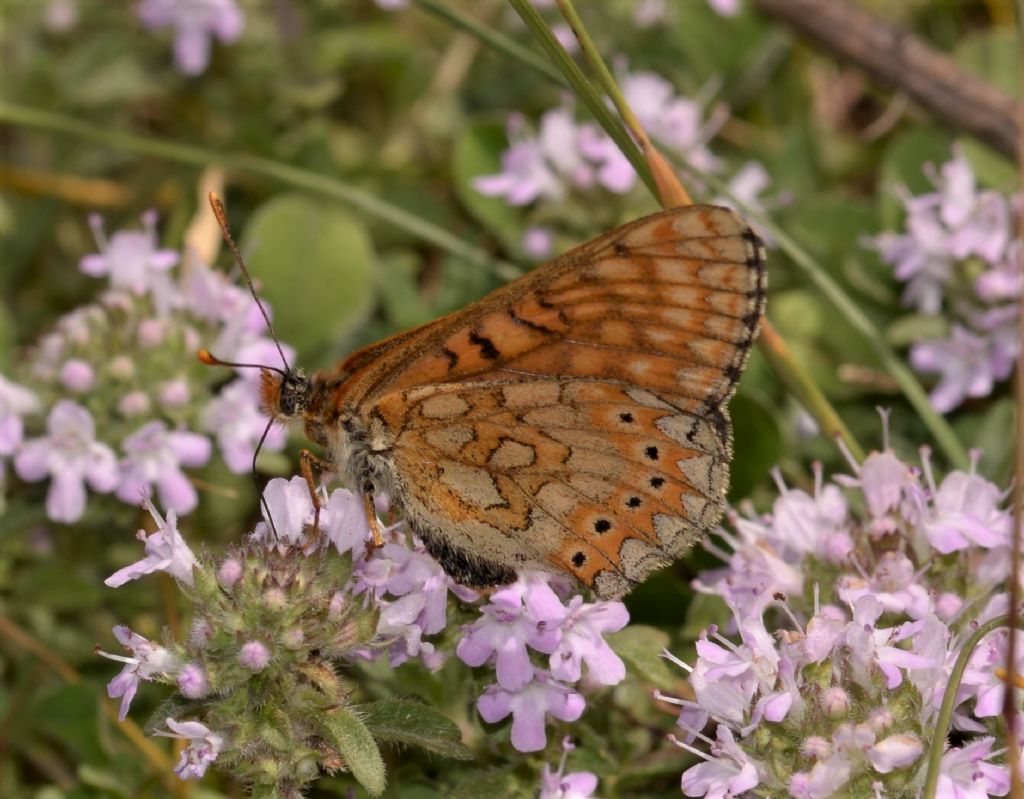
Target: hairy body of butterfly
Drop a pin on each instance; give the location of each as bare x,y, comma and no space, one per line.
574,420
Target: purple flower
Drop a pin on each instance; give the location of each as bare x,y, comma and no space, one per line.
528,707
154,456
165,550
728,771
964,774
77,375
421,588
195,22
556,784
203,747
254,655
525,173
288,505
538,242
964,364
71,456
964,511
1005,280
581,632
192,681
502,633
235,418
147,661
132,260
16,402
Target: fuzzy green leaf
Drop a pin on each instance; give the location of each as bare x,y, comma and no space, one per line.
489,784
409,722
355,743
316,266
640,647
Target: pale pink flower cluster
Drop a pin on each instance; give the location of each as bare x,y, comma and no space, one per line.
851,604
958,257
114,399
561,159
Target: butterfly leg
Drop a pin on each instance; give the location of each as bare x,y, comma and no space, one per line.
309,462
372,520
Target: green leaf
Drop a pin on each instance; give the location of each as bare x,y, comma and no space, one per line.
916,327
992,56
641,647
356,745
410,722
992,168
491,784
315,264
758,443
477,152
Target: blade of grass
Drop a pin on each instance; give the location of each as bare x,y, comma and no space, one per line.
584,89
285,173
940,730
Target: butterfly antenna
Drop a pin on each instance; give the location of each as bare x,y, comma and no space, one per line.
207,357
256,479
222,219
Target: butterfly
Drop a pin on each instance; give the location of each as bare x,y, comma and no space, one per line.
571,421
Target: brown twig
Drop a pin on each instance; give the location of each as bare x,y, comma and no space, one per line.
908,63
1010,708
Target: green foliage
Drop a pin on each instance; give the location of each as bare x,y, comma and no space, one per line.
367,222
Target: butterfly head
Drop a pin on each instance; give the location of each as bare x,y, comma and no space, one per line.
284,395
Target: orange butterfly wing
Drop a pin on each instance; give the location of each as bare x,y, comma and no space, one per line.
575,419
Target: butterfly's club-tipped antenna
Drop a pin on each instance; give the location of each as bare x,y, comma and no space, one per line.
222,219
206,357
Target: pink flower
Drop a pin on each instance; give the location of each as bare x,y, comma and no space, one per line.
204,746
131,259
729,771
195,23
503,632
254,655
963,363
526,174
147,660
235,419
964,511
559,785
965,774
71,456
582,642
154,456
16,402
528,707
165,550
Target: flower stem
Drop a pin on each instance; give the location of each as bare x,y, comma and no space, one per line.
941,729
585,90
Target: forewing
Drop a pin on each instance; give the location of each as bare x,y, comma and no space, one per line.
669,302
